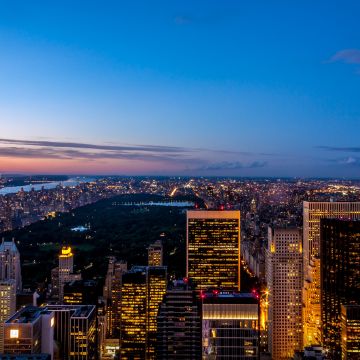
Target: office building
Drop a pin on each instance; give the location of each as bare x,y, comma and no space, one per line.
179,324
112,295
230,326
80,292
155,254
7,305
312,213
10,268
284,269
213,249
340,276
75,331
143,288
30,331
66,268
350,332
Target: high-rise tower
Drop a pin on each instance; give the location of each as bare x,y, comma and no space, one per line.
10,268
66,268
213,249
340,277
143,289
155,254
284,279
313,212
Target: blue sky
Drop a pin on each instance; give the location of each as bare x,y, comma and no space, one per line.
180,87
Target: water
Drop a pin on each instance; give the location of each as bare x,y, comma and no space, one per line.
172,203
47,186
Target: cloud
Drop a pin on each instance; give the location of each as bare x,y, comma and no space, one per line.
59,144
347,56
235,165
354,149
347,161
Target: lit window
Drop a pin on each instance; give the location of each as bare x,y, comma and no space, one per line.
14,333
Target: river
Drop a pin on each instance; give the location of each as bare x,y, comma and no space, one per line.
47,186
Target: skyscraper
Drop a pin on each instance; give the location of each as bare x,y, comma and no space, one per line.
66,268
340,276
179,324
284,269
143,288
230,326
350,332
75,331
213,249
7,306
155,254
312,213
10,268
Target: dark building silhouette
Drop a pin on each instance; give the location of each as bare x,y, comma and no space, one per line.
340,276
179,324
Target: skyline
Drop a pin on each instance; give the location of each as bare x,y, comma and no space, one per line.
186,89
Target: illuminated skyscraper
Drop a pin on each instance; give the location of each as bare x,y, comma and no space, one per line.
179,324
230,326
350,332
7,306
143,288
312,213
213,249
155,254
10,268
75,331
284,269
340,276
112,295
66,268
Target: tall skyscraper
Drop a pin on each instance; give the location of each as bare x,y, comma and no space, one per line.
112,295
350,332
143,288
155,254
10,268
7,306
30,331
66,268
340,276
179,324
284,269
213,249
312,213
230,326
75,331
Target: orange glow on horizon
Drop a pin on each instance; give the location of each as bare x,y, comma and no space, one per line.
78,166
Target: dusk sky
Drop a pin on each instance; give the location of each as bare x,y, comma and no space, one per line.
239,88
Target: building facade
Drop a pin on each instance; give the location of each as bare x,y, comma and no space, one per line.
10,267
213,249
230,326
340,276
179,324
30,331
155,254
143,289
350,332
7,305
284,278
313,212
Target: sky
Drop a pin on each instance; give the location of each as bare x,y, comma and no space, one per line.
190,87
